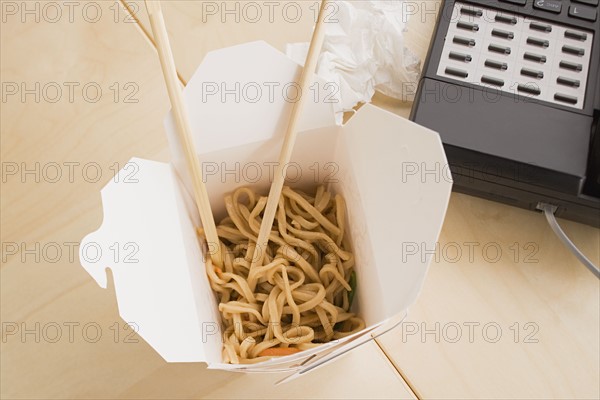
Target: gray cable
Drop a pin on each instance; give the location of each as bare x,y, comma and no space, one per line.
549,211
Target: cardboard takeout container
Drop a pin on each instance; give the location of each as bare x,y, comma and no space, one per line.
149,214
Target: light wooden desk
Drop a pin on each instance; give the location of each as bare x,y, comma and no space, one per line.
554,294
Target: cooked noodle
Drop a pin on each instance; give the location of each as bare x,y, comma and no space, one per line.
302,293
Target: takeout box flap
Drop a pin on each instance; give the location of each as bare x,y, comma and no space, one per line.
244,94
148,241
399,169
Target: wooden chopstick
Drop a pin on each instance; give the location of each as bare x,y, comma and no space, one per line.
183,128
290,139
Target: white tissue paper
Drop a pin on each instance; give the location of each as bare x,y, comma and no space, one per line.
364,51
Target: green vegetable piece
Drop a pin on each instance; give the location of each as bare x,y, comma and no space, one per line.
352,284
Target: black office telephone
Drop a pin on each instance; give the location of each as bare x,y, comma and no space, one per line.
513,88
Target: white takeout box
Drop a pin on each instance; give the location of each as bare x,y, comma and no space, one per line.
148,238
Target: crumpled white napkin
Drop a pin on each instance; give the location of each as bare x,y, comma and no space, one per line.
363,52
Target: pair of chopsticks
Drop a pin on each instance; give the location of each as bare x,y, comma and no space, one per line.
184,132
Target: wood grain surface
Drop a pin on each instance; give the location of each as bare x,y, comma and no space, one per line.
506,311
524,285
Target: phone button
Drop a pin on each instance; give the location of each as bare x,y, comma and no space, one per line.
492,81
567,81
496,64
570,65
476,12
583,13
505,19
532,72
576,35
464,41
537,42
467,26
573,50
456,72
534,57
531,89
503,34
565,98
540,27
499,49
459,56
548,5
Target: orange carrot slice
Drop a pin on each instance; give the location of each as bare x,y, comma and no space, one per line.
278,351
